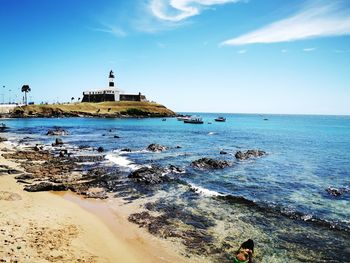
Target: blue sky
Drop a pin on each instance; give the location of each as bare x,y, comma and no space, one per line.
248,56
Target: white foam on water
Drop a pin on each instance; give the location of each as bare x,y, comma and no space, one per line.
122,161
204,191
211,133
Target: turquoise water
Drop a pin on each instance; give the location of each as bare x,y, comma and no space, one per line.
306,155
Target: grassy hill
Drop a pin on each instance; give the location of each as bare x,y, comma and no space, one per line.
102,109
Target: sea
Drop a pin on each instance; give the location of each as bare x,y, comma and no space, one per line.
279,200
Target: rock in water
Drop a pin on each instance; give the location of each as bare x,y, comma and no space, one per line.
208,163
58,141
149,175
100,149
156,147
223,152
57,132
249,154
334,191
126,150
45,186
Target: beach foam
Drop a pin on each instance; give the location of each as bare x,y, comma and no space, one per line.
204,191
122,161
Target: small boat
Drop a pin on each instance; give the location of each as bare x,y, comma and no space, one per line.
194,120
220,119
183,117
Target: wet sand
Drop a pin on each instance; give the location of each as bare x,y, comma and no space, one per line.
47,227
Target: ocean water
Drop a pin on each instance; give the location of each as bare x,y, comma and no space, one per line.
279,200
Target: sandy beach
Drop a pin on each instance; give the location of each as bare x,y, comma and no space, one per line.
47,227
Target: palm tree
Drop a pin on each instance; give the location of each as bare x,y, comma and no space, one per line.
72,99
25,89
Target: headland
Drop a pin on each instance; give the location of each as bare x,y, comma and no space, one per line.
110,109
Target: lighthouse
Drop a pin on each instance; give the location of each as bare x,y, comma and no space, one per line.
111,79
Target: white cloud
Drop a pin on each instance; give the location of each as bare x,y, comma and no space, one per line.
179,10
243,51
318,19
309,49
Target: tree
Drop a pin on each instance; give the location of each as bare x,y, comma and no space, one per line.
25,89
72,99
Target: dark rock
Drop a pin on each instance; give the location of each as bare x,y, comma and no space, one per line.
174,169
45,186
178,147
334,191
63,153
38,147
126,150
2,139
149,175
84,146
223,152
25,177
208,163
13,171
249,154
116,136
57,132
58,141
156,147
100,149
87,158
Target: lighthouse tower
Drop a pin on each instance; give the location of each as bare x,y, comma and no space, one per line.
111,79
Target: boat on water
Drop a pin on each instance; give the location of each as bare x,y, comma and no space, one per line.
220,119
183,117
194,120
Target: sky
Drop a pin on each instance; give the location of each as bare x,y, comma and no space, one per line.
236,56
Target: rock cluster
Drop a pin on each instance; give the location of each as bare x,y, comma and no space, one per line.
149,175
249,154
208,163
156,148
336,191
57,132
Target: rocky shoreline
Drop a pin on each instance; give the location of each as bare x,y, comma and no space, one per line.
59,170
170,218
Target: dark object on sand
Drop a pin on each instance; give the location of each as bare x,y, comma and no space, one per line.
45,186
245,252
249,244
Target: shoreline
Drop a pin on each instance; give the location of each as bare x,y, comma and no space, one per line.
64,227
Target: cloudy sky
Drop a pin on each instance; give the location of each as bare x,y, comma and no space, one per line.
248,56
